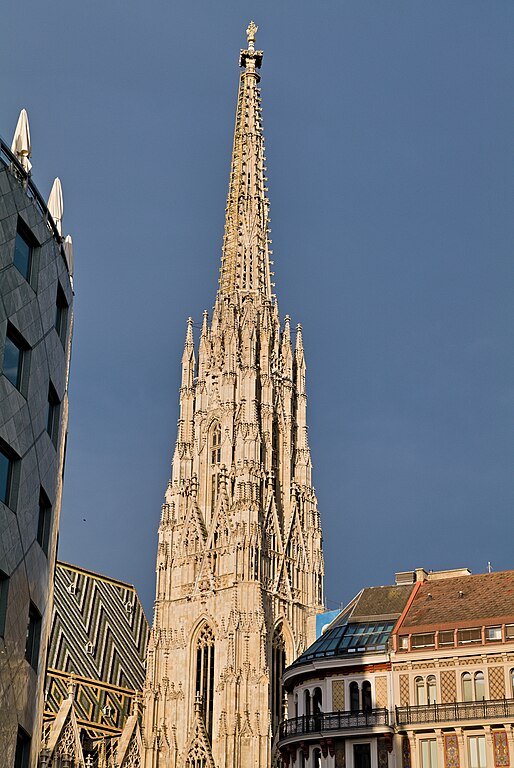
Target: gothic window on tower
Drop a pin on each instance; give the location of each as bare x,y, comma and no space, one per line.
205,674
215,449
216,444
278,664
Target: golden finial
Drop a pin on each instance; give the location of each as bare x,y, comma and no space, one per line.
250,33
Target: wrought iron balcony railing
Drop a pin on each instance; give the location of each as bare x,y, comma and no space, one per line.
333,721
459,710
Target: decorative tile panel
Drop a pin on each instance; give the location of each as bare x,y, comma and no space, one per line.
381,691
382,753
404,690
340,761
448,687
501,749
406,762
338,696
496,683
451,750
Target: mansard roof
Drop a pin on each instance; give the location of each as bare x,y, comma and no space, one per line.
479,598
364,626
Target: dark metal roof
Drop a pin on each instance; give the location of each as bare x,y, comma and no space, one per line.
364,626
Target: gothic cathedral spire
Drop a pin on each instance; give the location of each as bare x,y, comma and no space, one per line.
239,560
245,265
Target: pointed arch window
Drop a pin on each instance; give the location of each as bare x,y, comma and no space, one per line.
205,674
215,443
215,457
278,664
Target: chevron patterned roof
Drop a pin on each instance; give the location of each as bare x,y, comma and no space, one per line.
100,635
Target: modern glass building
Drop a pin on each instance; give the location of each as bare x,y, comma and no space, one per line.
35,340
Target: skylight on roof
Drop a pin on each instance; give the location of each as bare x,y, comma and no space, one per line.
350,638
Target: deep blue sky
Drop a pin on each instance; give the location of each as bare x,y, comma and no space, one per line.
389,130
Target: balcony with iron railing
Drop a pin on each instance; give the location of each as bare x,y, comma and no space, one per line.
325,722
487,709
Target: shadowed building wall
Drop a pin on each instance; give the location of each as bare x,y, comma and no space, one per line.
35,340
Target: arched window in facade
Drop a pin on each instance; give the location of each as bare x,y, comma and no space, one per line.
512,683
215,458
316,758
317,701
278,664
366,696
473,687
205,673
479,686
354,697
421,697
467,687
307,703
431,690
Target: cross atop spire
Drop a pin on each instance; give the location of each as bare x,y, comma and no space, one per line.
245,264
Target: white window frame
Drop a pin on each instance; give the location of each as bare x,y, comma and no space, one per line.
349,743
481,741
432,753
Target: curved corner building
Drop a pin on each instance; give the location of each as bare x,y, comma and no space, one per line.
35,340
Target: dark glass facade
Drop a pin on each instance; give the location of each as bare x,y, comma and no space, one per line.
34,361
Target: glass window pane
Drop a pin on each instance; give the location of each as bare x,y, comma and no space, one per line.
467,687
477,757
473,753
420,692
11,367
22,256
481,751
4,588
5,476
44,523
433,753
479,686
493,633
428,753
431,688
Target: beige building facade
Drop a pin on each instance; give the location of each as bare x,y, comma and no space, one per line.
453,670
239,561
416,675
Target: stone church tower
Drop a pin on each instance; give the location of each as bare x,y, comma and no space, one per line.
239,561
